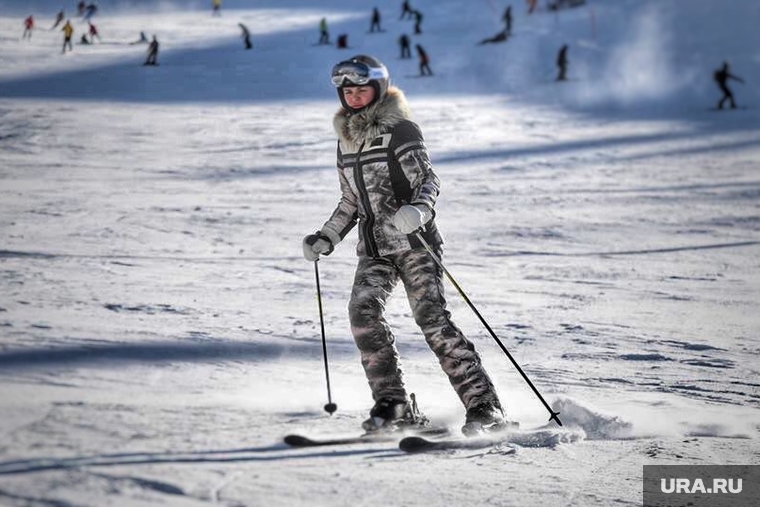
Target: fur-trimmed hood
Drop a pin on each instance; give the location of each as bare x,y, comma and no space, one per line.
353,129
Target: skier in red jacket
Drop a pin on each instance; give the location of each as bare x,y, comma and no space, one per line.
28,27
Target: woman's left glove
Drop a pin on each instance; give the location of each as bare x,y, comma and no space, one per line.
410,217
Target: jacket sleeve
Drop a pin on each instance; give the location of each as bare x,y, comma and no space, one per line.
409,154
343,219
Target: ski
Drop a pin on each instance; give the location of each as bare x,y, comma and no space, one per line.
297,440
415,443
542,437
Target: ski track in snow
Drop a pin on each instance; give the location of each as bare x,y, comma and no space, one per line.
159,325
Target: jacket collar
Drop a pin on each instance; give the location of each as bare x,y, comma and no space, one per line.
353,129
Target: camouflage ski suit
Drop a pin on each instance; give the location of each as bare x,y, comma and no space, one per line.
382,165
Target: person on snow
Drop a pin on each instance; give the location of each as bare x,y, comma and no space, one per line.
388,188
424,61
375,25
405,43
342,41
152,58
406,9
324,35
246,36
68,31
142,40
90,11
507,18
216,9
417,22
499,37
58,19
81,5
562,63
721,77
28,27
94,33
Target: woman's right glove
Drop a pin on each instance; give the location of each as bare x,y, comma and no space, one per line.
315,245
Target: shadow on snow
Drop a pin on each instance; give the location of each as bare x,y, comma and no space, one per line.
166,352
278,452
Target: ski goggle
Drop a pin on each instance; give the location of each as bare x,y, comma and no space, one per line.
356,73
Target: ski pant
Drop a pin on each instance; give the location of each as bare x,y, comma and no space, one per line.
562,76
374,281
727,95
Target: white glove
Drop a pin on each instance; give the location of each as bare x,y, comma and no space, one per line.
409,218
315,245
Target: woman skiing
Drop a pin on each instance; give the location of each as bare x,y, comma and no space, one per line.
389,188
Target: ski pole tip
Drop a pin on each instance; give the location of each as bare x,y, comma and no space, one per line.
330,408
555,417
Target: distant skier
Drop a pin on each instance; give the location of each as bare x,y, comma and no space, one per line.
84,40
28,27
142,40
721,77
246,36
562,63
405,43
406,9
324,35
152,52
531,5
81,5
90,11
342,41
94,33
375,26
499,37
58,19
507,18
424,61
68,31
417,22
217,8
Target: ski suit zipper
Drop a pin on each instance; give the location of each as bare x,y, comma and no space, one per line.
369,240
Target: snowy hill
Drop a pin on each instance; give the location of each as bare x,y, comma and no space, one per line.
159,328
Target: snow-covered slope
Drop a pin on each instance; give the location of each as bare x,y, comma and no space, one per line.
159,328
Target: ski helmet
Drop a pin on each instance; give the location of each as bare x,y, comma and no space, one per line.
361,70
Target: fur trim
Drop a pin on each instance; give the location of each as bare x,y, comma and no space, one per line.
353,129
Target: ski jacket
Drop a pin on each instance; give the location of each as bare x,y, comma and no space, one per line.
382,164
67,30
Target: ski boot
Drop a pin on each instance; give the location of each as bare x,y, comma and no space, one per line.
486,418
394,415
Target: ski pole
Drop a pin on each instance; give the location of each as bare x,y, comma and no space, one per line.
330,407
553,415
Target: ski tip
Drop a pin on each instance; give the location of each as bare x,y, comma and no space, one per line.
412,444
297,440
